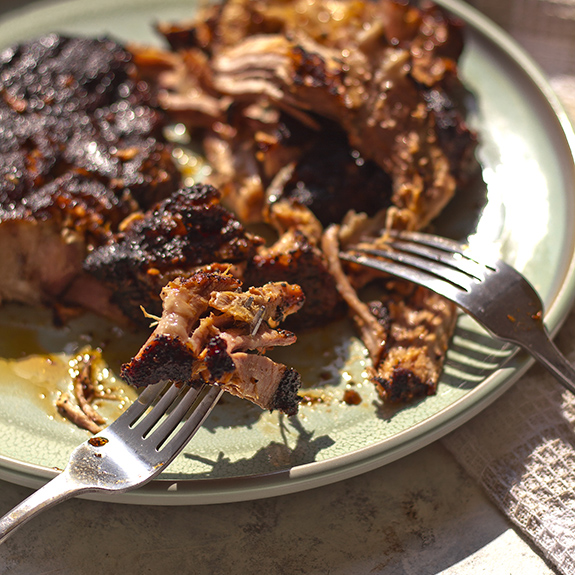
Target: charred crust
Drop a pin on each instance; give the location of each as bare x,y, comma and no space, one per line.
331,179
311,69
79,105
190,228
163,358
286,397
218,360
306,267
403,386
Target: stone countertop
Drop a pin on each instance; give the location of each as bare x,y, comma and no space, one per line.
420,515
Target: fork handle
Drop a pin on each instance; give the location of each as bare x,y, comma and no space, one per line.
59,489
541,347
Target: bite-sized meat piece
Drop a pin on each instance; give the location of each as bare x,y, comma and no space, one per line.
406,330
212,332
186,230
421,325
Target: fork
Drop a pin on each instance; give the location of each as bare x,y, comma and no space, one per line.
494,293
127,454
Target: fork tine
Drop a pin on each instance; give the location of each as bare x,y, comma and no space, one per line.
438,265
436,248
175,443
430,240
399,269
150,419
183,401
143,402
460,260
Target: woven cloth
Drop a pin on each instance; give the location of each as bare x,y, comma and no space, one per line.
522,448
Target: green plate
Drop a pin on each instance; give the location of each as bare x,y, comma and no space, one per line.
242,453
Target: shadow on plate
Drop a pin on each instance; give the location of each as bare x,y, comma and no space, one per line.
472,357
273,457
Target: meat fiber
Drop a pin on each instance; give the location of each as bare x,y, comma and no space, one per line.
211,331
406,330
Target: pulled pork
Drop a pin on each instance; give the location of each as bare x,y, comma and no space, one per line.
328,121
406,329
212,332
338,95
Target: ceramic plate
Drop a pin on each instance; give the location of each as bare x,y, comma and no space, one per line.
522,212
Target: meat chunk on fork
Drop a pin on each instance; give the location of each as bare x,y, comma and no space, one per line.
211,331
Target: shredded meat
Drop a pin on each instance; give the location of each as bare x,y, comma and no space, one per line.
78,406
349,94
406,330
210,331
310,114
373,331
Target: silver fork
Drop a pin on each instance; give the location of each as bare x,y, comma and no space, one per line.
493,293
128,453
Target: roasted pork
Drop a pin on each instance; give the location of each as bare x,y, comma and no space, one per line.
349,94
187,230
406,328
211,331
81,149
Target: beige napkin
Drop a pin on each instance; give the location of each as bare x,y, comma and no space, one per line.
522,448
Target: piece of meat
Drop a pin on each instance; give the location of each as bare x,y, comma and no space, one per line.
212,332
373,331
296,259
81,149
421,326
187,230
397,131
80,406
45,238
383,74
406,330
259,162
